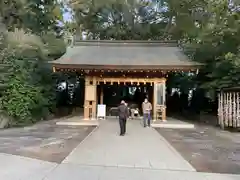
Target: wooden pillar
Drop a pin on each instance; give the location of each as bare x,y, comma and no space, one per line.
86,110
94,102
164,101
101,95
86,102
90,99
154,100
159,93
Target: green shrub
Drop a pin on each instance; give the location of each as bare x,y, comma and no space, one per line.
26,45
28,94
23,100
56,46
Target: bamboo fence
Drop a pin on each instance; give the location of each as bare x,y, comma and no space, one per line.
229,109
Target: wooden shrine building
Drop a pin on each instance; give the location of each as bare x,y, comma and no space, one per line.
136,63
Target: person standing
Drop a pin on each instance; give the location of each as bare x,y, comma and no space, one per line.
128,110
146,108
123,115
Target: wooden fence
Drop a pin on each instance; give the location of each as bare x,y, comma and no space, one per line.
229,108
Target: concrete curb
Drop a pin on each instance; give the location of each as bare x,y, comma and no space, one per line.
78,123
173,126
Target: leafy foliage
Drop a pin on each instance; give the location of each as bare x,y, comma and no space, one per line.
134,19
208,31
35,15
55,46
216,45
25,45
33,38
112,19
4,68
29,93
23,99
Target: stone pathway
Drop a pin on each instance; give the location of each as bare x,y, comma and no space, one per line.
140,148
142,154
21,168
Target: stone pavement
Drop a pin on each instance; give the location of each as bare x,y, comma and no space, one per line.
142,154
140,148
22,168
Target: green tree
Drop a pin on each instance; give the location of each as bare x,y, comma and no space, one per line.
55,46
216,45
11,12
35,15
132,19
23,99
26,81
29,92
3,67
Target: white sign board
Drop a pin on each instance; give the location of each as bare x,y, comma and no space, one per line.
101,110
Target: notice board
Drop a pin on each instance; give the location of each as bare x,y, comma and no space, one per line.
101,110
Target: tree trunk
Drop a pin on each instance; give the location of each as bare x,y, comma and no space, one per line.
78,35
169,25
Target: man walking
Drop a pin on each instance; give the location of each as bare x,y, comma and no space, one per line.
146,108
123,115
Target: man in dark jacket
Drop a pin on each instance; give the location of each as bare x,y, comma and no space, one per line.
123,115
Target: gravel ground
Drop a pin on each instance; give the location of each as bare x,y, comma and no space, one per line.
44,141
207,148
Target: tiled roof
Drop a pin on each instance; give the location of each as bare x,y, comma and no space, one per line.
124,53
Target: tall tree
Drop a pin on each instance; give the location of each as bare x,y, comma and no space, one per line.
23,56
134,19
217,45
35,15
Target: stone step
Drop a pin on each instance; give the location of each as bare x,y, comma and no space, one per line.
173,124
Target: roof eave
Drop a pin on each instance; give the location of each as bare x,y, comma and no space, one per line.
126,67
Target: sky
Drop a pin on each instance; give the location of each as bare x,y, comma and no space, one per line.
67,16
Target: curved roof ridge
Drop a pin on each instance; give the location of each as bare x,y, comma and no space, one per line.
125,43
